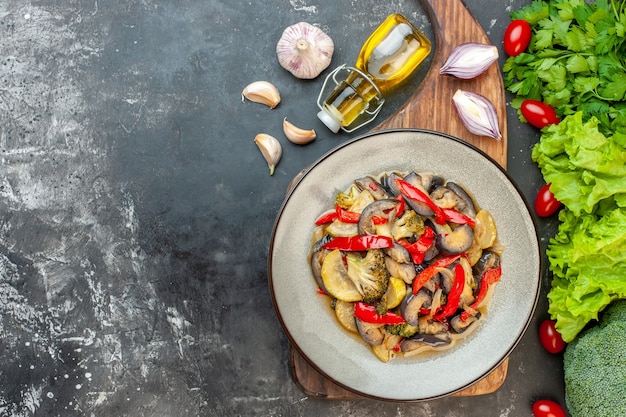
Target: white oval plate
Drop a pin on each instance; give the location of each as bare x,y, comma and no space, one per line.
306,317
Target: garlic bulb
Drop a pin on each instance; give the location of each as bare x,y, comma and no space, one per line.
297,135
270,148
304,50
477,113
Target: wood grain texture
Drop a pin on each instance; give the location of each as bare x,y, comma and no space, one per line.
315,384
430,107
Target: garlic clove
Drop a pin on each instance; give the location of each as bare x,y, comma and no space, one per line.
262,92
270,148
469,60
297,135
304,50
477,113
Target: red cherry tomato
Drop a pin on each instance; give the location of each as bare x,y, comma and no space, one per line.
539,114
545,202
517,37
550,338
547,408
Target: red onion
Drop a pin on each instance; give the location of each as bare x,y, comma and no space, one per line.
477,113
469,60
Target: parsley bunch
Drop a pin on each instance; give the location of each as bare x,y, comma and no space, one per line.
576,60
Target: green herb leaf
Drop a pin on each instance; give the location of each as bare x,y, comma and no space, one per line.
577,54
543,39
532,13
615,88
576,64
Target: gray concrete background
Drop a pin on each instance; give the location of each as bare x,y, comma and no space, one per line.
136,211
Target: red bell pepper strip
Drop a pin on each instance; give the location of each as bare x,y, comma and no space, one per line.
347,216
454,297
326,217
379,220
424,311
414,193
418,249
457,217
423,277
367,313
400,207
359,243
373,186
490,277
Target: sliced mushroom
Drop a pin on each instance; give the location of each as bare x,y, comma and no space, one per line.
431,181
379,208
455,241
432,284
431,253
412,304
399,254
372,334
318,253
488,260
426,325
389,183
419,342
459,326
438,301
467,207
404,271
399,263
446,198
447,279
373,186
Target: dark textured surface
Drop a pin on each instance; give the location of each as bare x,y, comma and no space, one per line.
136,211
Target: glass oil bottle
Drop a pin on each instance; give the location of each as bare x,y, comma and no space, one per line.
391,53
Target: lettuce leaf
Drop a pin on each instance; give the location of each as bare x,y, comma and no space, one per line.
588,260
584,167
587,173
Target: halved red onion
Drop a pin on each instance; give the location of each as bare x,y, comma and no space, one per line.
477,113
469,60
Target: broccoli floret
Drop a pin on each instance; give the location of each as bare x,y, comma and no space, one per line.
381,304
345,200
369,274
595,367
402,329
409,225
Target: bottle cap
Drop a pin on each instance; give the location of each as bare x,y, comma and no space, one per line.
329,121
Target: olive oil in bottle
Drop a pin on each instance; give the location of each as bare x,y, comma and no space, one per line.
352,98
391,53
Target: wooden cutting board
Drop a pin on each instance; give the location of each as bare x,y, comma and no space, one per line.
430,107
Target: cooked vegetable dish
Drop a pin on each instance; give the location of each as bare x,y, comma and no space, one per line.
409,261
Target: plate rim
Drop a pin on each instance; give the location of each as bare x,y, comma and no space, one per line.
307,170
